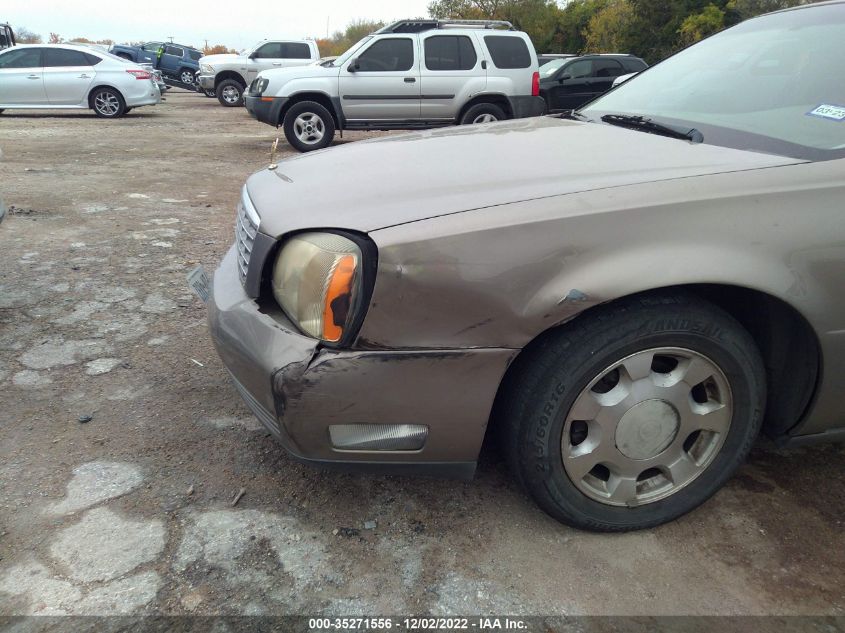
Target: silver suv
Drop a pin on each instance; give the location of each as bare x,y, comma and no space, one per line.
409,75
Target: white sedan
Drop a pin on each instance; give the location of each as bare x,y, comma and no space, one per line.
63,76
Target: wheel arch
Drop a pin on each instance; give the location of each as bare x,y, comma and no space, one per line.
229,74
492,97
779,330
90,98
311,95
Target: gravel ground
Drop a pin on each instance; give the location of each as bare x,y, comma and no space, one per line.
122,444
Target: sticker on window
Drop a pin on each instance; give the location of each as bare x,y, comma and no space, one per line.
827,111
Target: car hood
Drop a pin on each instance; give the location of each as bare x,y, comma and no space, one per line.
392,180
222,58
279,76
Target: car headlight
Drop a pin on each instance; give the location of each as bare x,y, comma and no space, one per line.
259,86
317,280
207,68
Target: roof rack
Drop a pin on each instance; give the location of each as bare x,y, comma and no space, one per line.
418,26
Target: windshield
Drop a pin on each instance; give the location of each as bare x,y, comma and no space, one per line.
340,61
550,68
769,84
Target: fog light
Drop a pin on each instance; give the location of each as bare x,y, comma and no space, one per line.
378,437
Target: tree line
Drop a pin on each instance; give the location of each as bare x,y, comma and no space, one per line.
651,29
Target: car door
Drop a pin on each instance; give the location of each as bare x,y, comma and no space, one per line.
382,83
149,53
572,86
22,77
294,54
265,57
171,59
604,72
450,73
68,75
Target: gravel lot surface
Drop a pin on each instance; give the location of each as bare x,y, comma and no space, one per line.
122,443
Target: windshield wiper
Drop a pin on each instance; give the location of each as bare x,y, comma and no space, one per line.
636,122
574,115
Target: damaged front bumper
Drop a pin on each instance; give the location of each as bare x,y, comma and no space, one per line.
301,391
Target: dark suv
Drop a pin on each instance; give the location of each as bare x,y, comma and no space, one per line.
177,61
569,83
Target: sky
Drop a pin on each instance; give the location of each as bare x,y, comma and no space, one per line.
237,24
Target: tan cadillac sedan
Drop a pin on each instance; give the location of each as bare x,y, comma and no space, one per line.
624,296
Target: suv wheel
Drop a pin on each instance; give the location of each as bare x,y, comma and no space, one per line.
483,113
230,93
209,93
186,76
108,103
634,415
308,126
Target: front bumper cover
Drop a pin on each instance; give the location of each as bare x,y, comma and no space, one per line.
206,82
265,109
299,389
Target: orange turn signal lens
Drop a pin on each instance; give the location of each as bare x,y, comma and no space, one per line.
338,299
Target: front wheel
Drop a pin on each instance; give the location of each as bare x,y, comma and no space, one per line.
209,93
308,126
230,93
635,414
186,77
108,103
483,113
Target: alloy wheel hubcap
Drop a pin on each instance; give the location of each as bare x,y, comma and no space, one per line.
187,78
309,128
647,426
231,94
106,103
485,118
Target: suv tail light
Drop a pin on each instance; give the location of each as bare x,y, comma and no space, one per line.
535,85
140,74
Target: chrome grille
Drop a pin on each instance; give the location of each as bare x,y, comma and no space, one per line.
246,228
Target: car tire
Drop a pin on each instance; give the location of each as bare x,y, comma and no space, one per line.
560,412
107,103
186,76
230,93
127,110
209,93
483,113
308,126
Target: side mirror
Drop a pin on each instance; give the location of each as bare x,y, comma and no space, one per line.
565,77
353,65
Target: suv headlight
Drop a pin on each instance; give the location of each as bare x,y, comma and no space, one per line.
259,85
317,280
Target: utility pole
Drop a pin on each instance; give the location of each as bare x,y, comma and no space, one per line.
328,17
170,37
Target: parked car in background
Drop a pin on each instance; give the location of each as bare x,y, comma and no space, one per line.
569,83
178,62
623,295
411,74
7,36
545,58
228,75
62,76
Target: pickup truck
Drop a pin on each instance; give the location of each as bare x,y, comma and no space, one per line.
229,75
177,62
7,36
